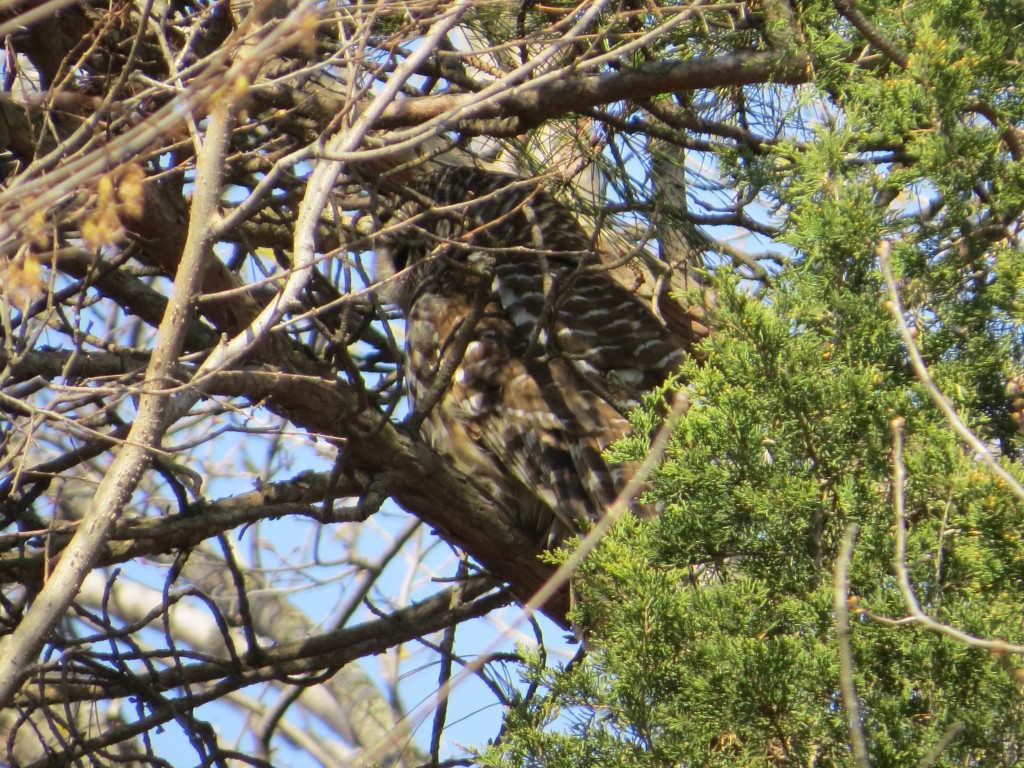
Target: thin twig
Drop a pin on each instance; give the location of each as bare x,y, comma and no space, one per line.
899,476
19,650
940,746
840,601
875,36
564,572
921,371
619,507
446,651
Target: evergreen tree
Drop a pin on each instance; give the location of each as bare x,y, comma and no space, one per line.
897,184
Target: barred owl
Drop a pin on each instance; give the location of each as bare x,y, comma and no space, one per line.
524,349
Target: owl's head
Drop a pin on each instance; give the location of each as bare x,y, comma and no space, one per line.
459,220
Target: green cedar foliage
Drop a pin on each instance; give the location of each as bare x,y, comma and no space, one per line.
713,627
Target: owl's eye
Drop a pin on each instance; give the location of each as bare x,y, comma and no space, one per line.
401,258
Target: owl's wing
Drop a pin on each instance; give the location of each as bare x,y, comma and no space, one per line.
554,360
520,427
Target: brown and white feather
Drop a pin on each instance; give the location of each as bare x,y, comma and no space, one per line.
558,352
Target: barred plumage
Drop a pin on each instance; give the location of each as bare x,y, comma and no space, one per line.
554,353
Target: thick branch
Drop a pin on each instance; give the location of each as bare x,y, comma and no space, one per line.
18,650
146,537
331,650
533,104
